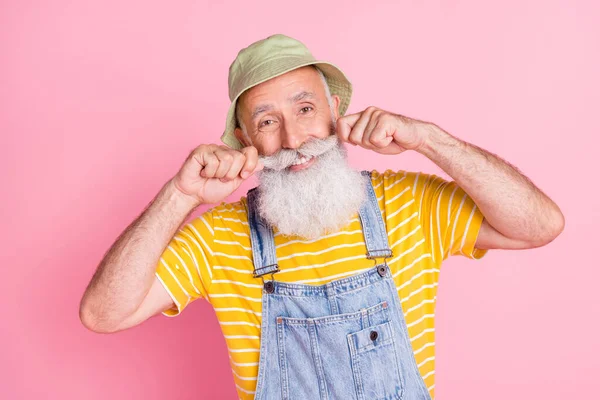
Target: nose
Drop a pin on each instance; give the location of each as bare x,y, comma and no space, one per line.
292,135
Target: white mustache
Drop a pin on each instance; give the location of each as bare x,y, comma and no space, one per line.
286,157
311,203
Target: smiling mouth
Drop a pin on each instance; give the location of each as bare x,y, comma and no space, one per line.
302,163
302,160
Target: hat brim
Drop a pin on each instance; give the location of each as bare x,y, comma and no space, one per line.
339,85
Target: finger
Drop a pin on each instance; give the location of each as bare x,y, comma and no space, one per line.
373,122
345,124
236,166
350,119
225,161
358,129
259,166
379,138
210,165
251,161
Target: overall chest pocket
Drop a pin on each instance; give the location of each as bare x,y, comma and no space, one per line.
375,364
334,357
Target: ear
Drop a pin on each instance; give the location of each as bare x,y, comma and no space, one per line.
336,105
239,135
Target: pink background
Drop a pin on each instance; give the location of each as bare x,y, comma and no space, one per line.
100,103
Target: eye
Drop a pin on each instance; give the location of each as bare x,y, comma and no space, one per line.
267,122
306,109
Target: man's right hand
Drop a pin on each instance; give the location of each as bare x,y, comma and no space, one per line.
212,172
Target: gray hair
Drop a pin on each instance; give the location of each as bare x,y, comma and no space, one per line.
241,125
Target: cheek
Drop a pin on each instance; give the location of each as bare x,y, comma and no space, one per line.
268,146
322,131
319,127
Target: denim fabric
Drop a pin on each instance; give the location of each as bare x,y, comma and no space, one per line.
261,237
372,224
346,339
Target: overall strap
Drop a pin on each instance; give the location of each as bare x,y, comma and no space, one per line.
373,224
261,237
263,243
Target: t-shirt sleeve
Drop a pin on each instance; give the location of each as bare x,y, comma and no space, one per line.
184,268
450,218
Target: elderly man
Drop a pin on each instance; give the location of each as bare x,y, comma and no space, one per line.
323,278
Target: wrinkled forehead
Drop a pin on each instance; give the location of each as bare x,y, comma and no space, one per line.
294,86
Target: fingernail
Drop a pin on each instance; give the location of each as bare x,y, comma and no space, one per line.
245,174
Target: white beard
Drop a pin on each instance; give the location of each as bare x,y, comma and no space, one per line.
315,201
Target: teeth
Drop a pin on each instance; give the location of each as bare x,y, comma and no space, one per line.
302,160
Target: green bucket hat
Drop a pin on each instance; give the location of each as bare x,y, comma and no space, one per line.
269,58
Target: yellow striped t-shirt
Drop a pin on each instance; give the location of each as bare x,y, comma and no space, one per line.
427,219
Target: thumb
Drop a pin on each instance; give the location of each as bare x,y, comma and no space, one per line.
238,180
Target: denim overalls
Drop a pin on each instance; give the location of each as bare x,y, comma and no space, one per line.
346,339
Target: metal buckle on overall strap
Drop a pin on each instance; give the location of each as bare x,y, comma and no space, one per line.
269,286
383,268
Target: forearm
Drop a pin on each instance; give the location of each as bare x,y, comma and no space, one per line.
510,202
126,273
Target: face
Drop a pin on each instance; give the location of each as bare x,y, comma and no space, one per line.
307,186
286,111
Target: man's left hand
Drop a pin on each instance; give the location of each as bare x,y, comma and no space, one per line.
381,131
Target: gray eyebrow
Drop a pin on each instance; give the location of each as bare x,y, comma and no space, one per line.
261,109
302,96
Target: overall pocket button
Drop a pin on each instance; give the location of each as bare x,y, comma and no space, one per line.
373,335
269,287
382,269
